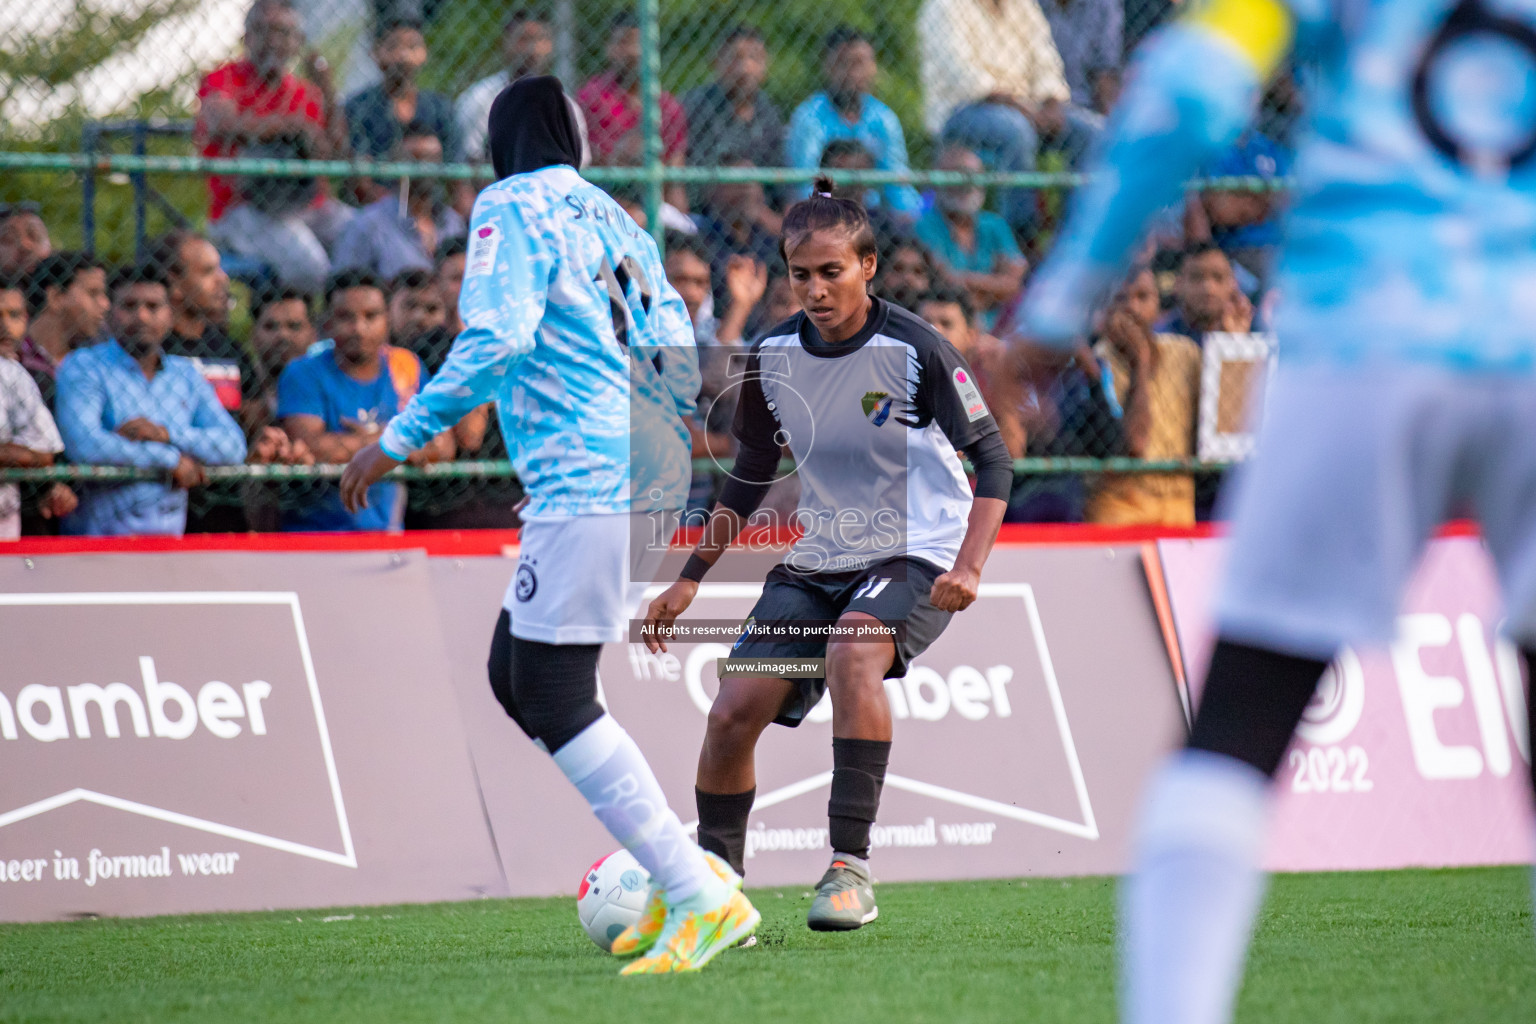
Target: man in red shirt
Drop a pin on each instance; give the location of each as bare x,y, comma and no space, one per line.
256,107
611,103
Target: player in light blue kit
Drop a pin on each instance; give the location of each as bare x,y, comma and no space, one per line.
571,327
1406,392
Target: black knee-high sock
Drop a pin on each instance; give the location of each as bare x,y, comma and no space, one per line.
858,774
723,825
1252,703
1530,702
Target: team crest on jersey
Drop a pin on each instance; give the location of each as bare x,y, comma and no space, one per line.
877,407
527,582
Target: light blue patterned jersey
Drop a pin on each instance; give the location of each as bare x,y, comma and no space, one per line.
1412,228
571,328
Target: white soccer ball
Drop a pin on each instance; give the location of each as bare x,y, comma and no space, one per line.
611,897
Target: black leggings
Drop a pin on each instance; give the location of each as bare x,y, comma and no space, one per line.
550,690
1254,698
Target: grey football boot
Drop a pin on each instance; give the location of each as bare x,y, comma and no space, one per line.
845,898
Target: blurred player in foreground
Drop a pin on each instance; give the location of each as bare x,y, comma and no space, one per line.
873,403
571,327
1406,393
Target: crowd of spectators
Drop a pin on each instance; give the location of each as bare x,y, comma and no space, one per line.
350,287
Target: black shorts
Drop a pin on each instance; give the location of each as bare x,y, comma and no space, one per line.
894,591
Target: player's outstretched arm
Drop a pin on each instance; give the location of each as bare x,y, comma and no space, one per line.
366,468
506,285
720,531
757,460
1194,88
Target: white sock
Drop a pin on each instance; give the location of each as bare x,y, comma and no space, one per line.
1188,909
848,858
609,770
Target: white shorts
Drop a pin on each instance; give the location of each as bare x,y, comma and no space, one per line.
579,579
1356,468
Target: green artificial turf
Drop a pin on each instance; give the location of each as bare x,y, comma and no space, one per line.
1396,946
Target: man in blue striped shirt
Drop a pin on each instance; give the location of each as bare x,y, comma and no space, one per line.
125,402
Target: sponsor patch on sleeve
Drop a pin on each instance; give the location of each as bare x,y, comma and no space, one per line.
970,395
483,243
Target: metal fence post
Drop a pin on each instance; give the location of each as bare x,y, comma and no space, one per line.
140,193
650,113
565,43
88,139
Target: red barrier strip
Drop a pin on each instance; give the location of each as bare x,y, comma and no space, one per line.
441,543
467,543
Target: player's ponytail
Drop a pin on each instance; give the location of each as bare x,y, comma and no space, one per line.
826,210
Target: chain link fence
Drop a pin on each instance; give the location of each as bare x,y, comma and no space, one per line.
235,157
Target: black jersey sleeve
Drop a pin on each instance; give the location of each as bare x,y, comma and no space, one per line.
994,466
757,450
947,393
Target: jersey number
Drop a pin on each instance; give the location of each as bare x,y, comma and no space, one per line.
616,280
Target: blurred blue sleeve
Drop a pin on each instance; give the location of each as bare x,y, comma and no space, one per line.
1191,93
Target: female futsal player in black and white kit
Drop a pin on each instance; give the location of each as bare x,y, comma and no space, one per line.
873,404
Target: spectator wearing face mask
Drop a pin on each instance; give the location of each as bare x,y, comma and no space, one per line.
973,247
990,71
402,229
